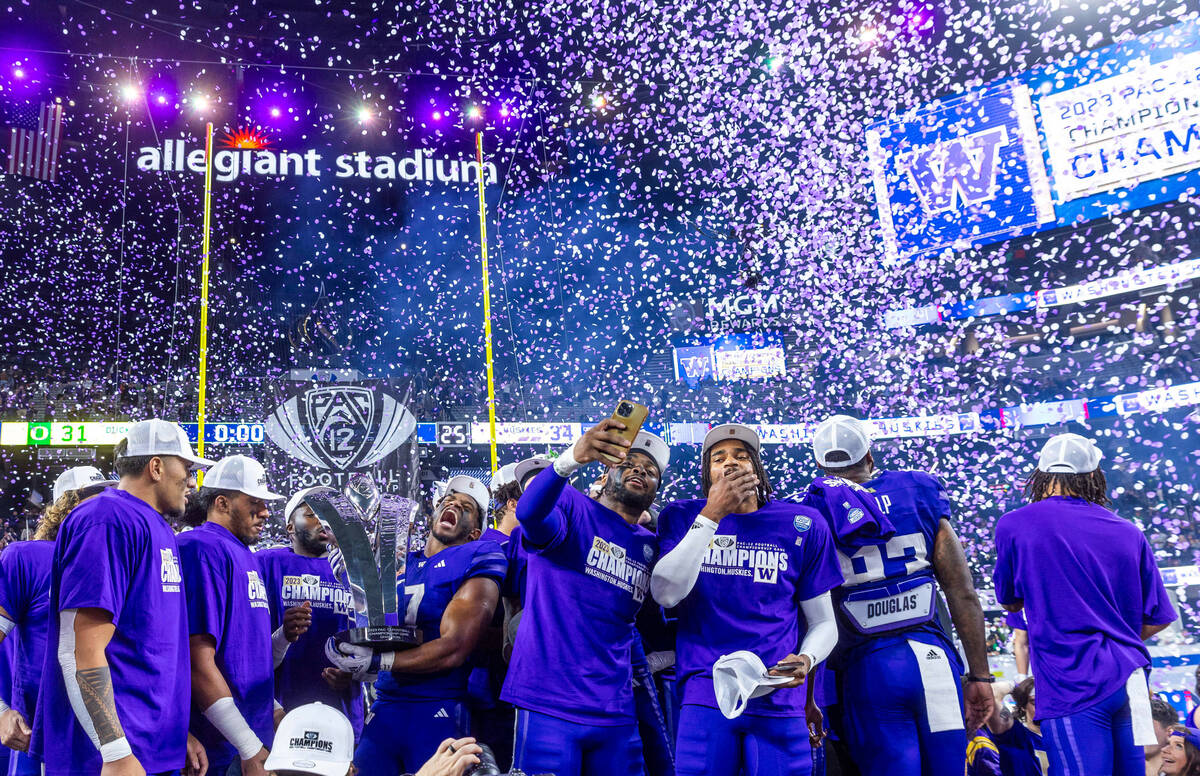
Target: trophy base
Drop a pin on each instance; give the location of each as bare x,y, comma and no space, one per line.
395,637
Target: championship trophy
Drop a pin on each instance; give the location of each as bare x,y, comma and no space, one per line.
370,558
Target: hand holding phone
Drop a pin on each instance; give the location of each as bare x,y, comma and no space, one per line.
631,415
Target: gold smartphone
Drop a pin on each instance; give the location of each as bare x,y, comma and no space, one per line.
633,415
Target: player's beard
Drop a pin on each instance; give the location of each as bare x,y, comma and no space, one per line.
458,535
635,503
308,541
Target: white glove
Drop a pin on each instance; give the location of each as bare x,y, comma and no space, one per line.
362,663
660,661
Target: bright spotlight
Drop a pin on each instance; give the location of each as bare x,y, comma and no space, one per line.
364,114
200,103
131,93
599,101
474,112
276,113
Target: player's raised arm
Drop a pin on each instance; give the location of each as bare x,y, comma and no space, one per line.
539,520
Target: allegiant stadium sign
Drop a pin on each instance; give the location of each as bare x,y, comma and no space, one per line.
229,164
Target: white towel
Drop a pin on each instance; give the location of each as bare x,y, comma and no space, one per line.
738,677
1139,709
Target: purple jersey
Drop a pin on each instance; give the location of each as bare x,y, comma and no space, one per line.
890,590
114,552
758,568
1089,582
25,595
429,584
228,601
291,580
1016,620
584,590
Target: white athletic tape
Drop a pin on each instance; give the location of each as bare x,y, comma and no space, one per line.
115,750
565,464
229,722
6,625
940,684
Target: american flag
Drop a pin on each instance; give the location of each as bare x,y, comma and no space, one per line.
34,142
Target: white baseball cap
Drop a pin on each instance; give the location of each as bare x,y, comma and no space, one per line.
313,738
503,477
525,469
80,477
240,473
297,499
736,431
653,446
161,437
844,434
1069,454
461,483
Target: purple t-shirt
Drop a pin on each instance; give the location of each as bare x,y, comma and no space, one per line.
114,552
25,595
228,601
1089,582
758,568
1016,620
583,592
291,580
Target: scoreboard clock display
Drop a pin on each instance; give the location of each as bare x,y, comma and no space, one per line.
453,434
109,433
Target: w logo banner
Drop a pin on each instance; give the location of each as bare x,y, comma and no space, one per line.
963,171
948,176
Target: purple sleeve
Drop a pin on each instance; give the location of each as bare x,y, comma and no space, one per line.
96,561
820,571
488,562
14,594
1016,620
1003,578
269,564
935,495
205,587
1156,603
543,524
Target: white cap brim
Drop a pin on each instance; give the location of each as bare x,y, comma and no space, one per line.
283,760
196,461
741,433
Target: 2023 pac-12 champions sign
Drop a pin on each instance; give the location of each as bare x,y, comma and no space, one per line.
322,433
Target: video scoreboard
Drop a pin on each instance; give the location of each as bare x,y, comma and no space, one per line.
56,434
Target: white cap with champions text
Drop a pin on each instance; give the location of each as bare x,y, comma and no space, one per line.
1069,454
78,477
737,431
240,473
160,437
841,434
313,738
461,483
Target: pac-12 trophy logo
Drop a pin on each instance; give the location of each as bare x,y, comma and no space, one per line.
340,427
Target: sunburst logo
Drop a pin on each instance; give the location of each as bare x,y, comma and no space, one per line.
252,138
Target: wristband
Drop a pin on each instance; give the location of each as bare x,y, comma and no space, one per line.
279,645
1021,678
989,679
6,625
115,750
385,661
229,722
565,464
4,706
